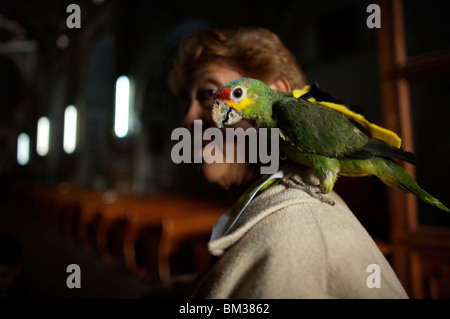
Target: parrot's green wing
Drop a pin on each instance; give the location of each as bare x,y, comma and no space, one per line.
315,94
317,129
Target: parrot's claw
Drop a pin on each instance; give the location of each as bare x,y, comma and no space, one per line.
314,191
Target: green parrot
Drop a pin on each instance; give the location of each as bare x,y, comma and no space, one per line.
318,131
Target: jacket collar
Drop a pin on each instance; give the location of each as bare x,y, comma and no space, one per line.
230,228
228,220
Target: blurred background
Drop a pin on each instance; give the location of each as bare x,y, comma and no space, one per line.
71,173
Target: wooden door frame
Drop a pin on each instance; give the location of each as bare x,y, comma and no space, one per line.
397,71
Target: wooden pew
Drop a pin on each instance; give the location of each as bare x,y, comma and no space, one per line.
91,214
139,225
107,216
75,202
55,206
165,224
184,236
112,218
60,208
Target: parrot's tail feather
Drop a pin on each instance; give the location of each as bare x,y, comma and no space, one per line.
423,195
396,176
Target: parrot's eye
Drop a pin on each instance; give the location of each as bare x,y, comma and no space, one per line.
238,94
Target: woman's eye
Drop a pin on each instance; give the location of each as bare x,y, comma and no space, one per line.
205,97
205,94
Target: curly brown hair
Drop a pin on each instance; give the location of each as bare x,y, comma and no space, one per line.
254,52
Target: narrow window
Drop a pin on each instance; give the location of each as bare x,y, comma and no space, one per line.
122,111
43,136
70,129
23,149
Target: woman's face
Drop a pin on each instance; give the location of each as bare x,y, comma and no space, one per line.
205,82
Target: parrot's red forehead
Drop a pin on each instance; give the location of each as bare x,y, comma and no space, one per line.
223,94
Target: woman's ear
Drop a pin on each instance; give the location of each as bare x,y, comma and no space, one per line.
281,85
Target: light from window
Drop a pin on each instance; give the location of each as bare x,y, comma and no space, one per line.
43,136
70,129
122,106
23,149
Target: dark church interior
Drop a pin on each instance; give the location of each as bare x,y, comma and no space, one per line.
78,189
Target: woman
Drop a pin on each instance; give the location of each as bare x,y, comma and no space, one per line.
285,244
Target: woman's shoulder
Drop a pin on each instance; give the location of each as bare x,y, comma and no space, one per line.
290,215
283,213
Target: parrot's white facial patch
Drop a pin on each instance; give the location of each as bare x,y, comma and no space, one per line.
232,117
223,114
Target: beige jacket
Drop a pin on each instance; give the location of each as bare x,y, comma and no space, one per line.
289,245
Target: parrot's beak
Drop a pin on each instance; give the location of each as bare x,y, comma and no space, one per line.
223,114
